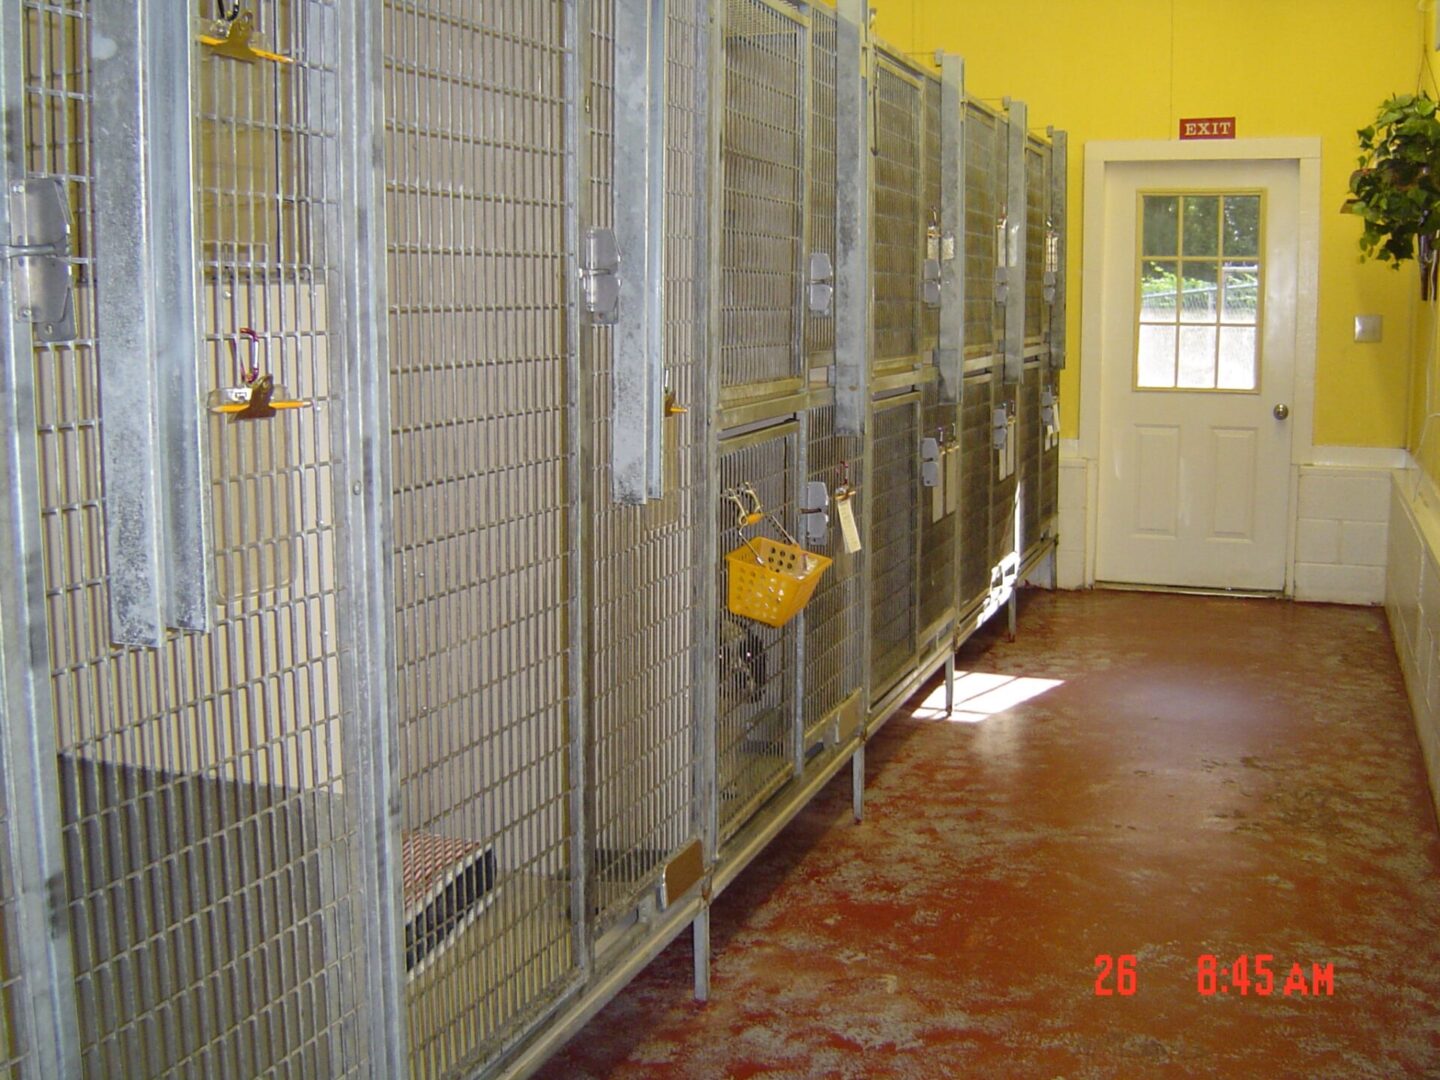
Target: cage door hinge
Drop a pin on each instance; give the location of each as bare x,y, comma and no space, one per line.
39,245
815,516
821,289
599,277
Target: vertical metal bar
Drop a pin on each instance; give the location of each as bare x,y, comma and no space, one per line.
950,357
183,451
857,780
701,931
1059,171
950,682
711,91
363,498
636,428
44,1000
121,125
1016,211
852,219
577,165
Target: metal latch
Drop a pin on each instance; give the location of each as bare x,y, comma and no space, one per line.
999,427
822,283
815,516
930,462
1049,418
39,245
599,266
1002,266
1052,262
931,283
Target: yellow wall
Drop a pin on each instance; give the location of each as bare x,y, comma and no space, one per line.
1129,69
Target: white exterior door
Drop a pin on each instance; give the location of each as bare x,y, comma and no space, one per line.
1198,362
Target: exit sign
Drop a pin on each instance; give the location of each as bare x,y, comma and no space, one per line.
1207,127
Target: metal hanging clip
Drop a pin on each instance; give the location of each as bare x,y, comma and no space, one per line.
232,35
259,397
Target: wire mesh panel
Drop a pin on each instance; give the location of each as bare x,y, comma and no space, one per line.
976,467
983,157
643,567
820,328
898,232
834,642
754,666
1037,197
210,836
938,517
1003,522
930,204
1027,457
894,496
762,156
475,156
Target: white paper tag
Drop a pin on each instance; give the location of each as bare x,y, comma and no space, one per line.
849,532
952,479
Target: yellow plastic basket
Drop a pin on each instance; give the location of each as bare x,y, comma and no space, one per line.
773,592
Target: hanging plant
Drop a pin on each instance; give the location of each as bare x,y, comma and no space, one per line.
1396,189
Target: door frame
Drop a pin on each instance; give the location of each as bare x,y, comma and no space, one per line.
1099,156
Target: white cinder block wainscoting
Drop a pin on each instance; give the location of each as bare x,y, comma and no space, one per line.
1340,534
1412,601
1341,527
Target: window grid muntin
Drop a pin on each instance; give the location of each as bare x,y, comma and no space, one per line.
1220,262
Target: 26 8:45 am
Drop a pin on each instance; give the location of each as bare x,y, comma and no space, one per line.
1247,974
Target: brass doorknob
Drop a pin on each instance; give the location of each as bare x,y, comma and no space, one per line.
1281,411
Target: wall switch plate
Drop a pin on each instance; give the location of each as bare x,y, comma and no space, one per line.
1369,328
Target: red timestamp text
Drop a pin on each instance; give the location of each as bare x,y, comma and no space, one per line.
1115,975
1258,974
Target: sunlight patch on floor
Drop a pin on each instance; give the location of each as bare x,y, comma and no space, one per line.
979,696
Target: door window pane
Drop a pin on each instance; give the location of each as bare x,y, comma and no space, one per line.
1200,286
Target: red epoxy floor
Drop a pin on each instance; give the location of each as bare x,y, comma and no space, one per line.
1206,777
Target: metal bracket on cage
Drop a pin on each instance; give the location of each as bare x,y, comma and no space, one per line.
1049,418
930,462
39,244
1059,158
233,38
930,281
600,285
1052,261
815,516
821,290
1016,202
1002,440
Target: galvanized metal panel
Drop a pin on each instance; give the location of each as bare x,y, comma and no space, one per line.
834,618
852,226
638,156
1015,259
1037,213
1027,457
762,153
643,564
1003,523
976,467
982,211
894,503
1059,217
937,582
898,227
950,354
821,206
931,208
